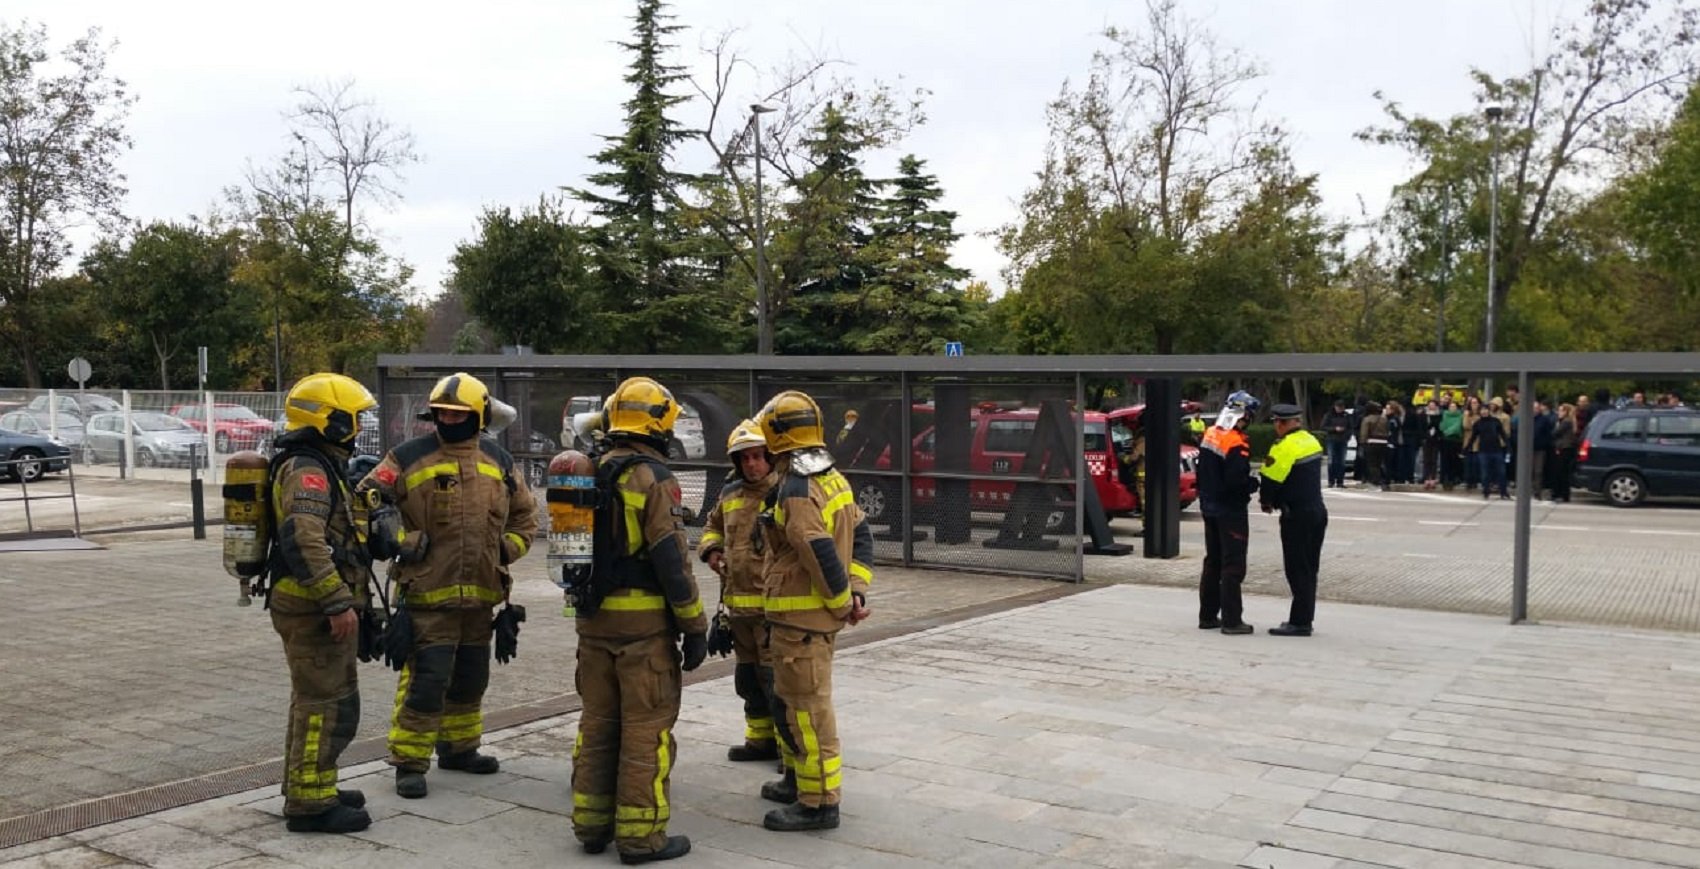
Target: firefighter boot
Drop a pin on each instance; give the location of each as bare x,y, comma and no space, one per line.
336,819
469,761
409,785
351,798
753,751
782,791
677,846
800,817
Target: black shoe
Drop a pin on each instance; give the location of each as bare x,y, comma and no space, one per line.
351,798
469,761
1241,628
780,766
753,751
595,846
1288,629
409,785
782,791
1209,624
336,819
677,846
800,817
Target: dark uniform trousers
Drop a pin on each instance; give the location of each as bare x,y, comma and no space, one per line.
747,636
1225,537
324,710
801,674
439,698
1302,531
625,748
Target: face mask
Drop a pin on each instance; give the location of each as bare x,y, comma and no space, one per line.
460,431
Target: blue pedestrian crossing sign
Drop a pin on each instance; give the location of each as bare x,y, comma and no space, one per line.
953,348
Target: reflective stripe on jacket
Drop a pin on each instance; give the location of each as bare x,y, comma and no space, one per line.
654,531
1225,483
319,570
1292,475
728,530
820,549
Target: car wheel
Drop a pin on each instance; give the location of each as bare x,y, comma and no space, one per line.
222,441
145,457
29,466
878,502
1625,489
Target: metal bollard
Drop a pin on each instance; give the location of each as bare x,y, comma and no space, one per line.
197,499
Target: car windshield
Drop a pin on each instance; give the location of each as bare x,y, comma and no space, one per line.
1095,434
159,422
99,403
236,412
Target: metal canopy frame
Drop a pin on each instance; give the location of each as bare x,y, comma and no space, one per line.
1527,368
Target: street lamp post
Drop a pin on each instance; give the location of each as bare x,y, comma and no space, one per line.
764,320
1494,113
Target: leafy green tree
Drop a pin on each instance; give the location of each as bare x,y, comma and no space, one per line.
526,277
913,300
1662,205
60,137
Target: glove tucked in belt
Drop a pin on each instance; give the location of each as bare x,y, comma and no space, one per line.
398,638
371,642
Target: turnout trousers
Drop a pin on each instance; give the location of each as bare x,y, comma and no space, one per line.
439,697
1301,555
1225,538
623,755
324,710
801,663
747,635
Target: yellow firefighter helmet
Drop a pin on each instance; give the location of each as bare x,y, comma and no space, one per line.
747,434
329,404
642,407
791,421
462,391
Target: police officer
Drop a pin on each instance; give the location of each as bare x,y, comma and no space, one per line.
1225,486
726,548
320,580
628,667
1292,483
819,549
466,515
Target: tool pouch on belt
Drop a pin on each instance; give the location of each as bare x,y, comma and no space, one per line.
371,641
505,626
398,638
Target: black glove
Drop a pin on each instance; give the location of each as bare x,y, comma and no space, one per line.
720,635
413,547
506,628
384,533
398,638
371,643
695,649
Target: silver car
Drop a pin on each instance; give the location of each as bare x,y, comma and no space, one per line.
161,439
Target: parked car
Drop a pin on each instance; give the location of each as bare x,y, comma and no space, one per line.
161,439
368,441
77,405
687,442
30,455
1125,424
235,426
1632,454
32,423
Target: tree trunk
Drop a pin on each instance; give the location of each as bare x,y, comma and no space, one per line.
32,374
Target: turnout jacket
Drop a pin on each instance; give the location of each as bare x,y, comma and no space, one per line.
665,601
729,530
1292,474
479,516
819,550
320,565
1225,483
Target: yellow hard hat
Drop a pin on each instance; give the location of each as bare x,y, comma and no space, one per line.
747,434
640,406
462,391
791,421
330,404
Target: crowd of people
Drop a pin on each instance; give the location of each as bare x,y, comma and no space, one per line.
1445,444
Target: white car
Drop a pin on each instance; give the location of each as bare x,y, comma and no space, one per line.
687,443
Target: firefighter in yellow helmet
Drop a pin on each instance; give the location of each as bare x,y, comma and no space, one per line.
628,675
466,515
818,550
726,547
319,580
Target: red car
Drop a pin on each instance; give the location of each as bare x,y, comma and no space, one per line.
235,427
1125,424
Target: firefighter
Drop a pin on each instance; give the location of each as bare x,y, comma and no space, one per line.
466,515
1225,486
320,579
1292,483
815,580
725,547
628,667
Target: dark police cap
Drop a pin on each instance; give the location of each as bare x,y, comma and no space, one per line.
1285,411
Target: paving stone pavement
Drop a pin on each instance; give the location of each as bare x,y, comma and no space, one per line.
1104,730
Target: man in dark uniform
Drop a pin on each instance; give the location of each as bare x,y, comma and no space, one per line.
1292,483
1225,485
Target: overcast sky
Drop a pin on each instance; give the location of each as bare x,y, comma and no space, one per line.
508,99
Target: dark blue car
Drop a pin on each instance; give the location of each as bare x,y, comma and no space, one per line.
29,456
